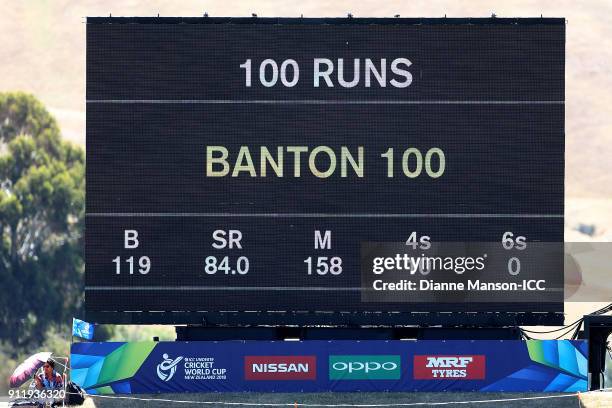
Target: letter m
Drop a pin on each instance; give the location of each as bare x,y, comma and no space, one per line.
322,242
437,362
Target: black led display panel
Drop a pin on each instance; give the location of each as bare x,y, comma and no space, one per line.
259,171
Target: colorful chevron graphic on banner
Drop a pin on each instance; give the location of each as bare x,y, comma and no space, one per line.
109,367
557,365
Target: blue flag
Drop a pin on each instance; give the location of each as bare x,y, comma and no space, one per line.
82,329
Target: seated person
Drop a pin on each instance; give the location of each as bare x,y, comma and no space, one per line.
49,379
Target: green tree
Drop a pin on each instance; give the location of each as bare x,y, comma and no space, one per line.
42,191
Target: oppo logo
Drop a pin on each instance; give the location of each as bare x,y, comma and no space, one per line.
367,366
364,367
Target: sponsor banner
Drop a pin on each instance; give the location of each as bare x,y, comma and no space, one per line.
280,368
365,367
319,366
436,367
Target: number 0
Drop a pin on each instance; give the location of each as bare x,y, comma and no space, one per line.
262,73
296,73
514,266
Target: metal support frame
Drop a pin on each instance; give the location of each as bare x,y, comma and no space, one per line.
203,333
597,329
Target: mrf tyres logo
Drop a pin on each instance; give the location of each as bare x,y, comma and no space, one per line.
365,367
280,368
167,368
449,367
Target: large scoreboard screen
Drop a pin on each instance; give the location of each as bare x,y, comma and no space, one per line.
325,171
